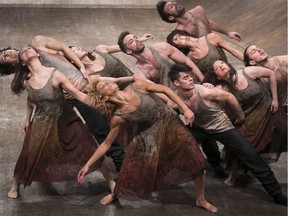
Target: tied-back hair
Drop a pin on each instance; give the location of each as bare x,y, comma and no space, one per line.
97,100
214,79
21,74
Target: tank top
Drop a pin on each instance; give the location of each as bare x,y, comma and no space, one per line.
211,119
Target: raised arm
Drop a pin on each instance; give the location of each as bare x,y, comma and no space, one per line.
177,56
103,147
261,72
117,80
217,40
49,44
145,86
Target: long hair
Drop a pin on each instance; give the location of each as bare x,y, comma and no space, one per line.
21,74
97,100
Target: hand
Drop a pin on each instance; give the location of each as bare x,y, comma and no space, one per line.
189,117
274,105
234,35
146,37
81,174
208,85
84,72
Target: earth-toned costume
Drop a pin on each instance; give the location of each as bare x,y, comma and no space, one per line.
57,143
162,152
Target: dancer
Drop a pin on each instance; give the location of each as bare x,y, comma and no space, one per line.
203,51
211,121
56,141
154,63
162,147
262,117
49,48
193,21
256,56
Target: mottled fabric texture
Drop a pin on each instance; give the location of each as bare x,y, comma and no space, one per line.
57,143
162,152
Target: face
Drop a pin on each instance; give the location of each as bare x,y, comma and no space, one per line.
133,45
256,54
185,81
106,88
79,51
27,53
221,70
179,40
174,9
9,56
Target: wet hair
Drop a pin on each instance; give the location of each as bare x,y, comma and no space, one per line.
175,70
246,56
121,40
164,16
97,100
7,69
170,37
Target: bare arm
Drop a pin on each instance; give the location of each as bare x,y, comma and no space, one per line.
60,79
118,80
49,44
103,148
217,40
261,72
152,87
177,56
218,95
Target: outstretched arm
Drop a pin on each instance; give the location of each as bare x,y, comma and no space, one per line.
217,40
261,72
49,44
102,148
216,27
145,86
117,80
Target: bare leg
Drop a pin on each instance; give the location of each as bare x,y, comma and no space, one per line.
200,199
14,191
110,182
230,181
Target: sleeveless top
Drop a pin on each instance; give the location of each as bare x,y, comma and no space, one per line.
49,100
281,86
211,119
163,70
256,94
59,62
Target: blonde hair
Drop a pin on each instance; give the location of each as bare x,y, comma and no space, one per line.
97,100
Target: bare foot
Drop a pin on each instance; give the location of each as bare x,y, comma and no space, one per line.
230,181
107,199
206,205
13,193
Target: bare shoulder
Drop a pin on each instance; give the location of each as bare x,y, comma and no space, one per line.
198,10
38,40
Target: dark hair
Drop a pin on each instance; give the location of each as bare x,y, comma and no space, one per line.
21,74
164,16
7,69
170,37
176,69
212,78
246,57
121,39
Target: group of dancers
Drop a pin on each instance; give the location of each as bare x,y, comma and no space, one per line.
244,109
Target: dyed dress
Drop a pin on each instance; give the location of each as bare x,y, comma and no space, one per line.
57,143
162,152
260,123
